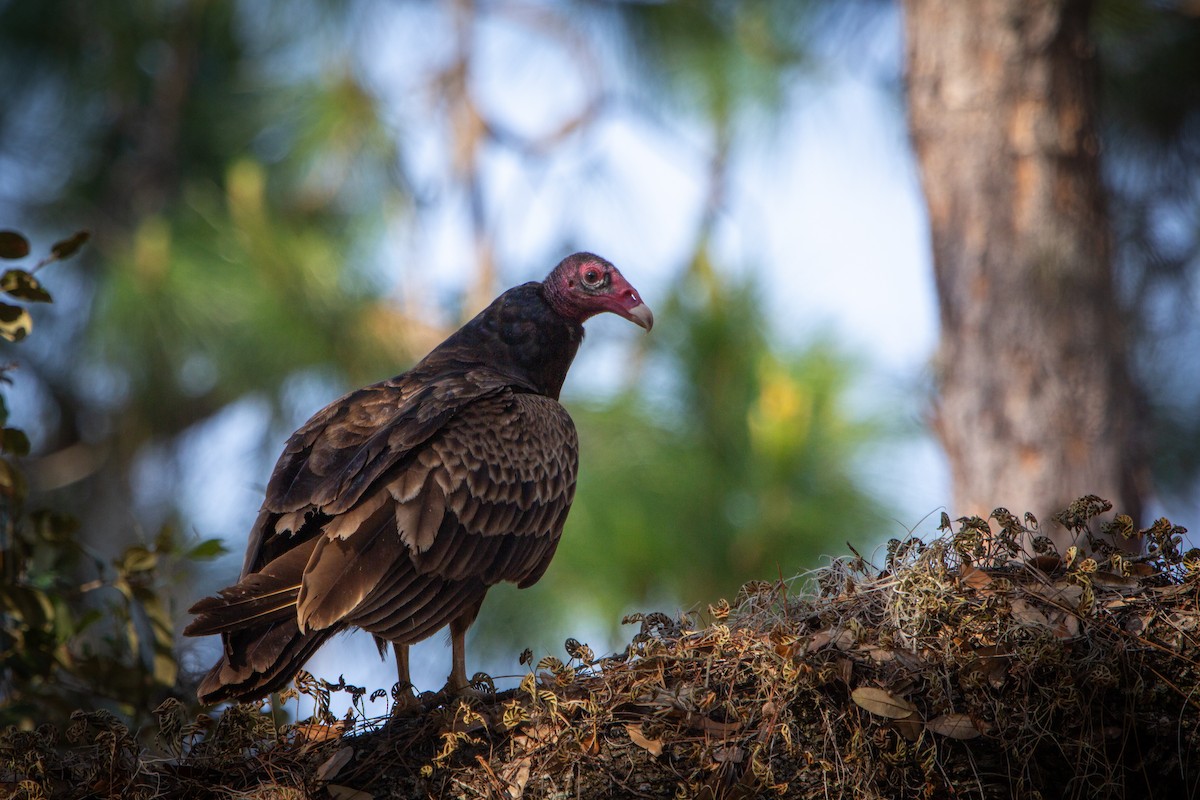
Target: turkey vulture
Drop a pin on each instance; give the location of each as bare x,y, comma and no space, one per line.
396,507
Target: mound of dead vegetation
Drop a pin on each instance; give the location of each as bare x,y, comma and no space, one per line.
981,664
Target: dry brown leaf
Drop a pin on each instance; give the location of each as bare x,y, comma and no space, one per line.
909,728
516,775
707,725
1024,612
652,746
1067,595
333,765
1046,564
882,702
955,726
1067,627
1111,580
990,663
318,731
973,577
541,732
589,743
881,655
910,660
819,640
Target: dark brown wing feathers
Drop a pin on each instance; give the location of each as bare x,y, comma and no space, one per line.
344,449
347,563
394,510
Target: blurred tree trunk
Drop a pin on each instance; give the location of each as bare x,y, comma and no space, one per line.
1035,403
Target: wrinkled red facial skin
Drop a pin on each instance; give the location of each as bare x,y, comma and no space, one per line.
584,285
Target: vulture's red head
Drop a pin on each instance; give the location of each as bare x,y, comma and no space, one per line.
584,285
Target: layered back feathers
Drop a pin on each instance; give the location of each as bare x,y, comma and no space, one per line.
396,506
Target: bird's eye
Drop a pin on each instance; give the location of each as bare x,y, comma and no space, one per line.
591,277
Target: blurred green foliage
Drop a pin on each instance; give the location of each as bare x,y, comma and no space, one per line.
743,472
232,180
722,60
223,298
739,469
68,642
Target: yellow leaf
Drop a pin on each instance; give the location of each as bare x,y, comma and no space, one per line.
15,322
23,286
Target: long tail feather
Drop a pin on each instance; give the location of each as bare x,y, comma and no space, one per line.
271,660
223,614
258,599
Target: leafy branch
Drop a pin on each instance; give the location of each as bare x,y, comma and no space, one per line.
19,284
74,631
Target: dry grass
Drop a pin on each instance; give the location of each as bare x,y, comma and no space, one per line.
962,667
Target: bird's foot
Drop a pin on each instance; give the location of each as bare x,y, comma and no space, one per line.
404,701
480,687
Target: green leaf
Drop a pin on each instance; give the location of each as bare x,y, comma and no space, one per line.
13,245
23,286
15,322
14,440
208,549
68,247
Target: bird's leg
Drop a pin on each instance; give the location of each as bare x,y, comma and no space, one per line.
458,648
458,683
405,698
402,665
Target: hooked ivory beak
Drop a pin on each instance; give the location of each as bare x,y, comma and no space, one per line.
640,315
